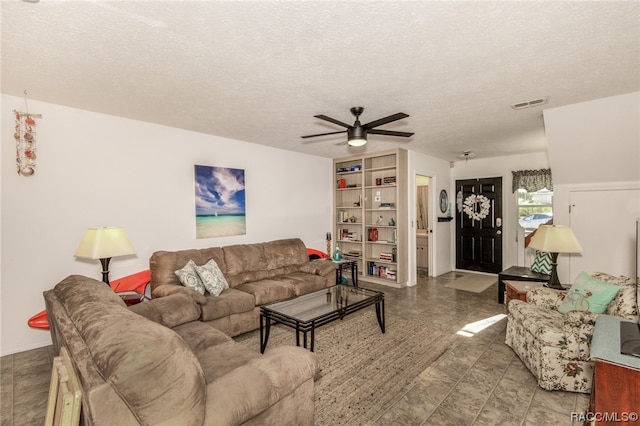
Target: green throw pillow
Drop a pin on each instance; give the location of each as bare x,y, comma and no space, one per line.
542,263
189,277
598,295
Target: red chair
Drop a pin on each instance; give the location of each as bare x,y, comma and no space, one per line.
135,282
316,254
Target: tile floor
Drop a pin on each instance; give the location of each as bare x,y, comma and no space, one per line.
479,381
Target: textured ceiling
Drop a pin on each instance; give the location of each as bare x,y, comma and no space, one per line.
260,71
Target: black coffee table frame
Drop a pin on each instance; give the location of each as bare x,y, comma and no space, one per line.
331,304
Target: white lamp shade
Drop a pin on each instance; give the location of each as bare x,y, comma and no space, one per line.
555,239
102,243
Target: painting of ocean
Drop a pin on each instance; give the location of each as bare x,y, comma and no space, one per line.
220,202
220,226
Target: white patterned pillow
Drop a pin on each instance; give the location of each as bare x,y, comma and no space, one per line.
542,263
190,278
212,278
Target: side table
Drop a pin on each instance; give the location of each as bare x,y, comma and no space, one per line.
518,273
347,264
615,391
131,297
517,290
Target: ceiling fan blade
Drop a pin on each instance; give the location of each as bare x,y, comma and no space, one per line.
323,134
332,120
385,120
389,133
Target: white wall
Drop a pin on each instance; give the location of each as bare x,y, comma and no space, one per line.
595,141
500,167
441,239
100,170
595,146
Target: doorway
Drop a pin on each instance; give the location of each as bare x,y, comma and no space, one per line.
423,227
479,224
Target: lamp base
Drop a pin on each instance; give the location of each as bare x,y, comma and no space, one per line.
554,282
105,270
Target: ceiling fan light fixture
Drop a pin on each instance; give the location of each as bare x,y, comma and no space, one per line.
467,155
357,142
357,136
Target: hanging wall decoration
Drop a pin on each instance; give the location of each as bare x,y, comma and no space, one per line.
477,206
26,140
220,202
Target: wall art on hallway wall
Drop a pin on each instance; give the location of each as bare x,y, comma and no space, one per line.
220,202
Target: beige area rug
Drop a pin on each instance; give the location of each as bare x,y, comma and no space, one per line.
474,283
363,370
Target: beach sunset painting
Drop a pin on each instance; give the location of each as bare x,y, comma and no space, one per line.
220,202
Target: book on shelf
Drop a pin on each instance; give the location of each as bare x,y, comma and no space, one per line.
386,256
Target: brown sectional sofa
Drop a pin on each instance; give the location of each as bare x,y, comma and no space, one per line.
156,363
171,360
257,274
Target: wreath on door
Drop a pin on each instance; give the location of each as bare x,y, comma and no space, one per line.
477,206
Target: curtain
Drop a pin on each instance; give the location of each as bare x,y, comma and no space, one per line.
422,219
532,180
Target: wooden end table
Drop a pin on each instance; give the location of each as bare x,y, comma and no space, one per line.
518,273
517,290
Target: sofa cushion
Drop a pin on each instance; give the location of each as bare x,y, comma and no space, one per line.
169,311
244,258
230,301
212,277
199,335
169,289
270,290
218,360
598,294
544,324
281,253
625,304
304,283
189,277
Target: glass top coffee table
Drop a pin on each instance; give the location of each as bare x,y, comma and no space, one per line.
306,312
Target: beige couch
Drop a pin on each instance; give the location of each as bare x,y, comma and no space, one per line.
156,363
257,274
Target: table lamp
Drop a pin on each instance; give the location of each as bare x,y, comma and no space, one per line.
555,239
104,243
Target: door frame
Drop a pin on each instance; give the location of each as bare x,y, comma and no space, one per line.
431,213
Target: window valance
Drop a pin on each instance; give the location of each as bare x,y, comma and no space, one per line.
532,180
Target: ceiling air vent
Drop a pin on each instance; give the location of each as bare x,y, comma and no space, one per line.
529,104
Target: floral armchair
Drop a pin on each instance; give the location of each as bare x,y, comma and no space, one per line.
556,347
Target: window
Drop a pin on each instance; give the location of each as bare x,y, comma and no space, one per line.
534,209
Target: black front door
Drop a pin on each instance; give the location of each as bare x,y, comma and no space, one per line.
479,224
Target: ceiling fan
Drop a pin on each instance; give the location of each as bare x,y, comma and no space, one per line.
357,134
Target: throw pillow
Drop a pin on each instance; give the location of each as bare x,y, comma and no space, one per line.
542,263
212,277
598,295
189,277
